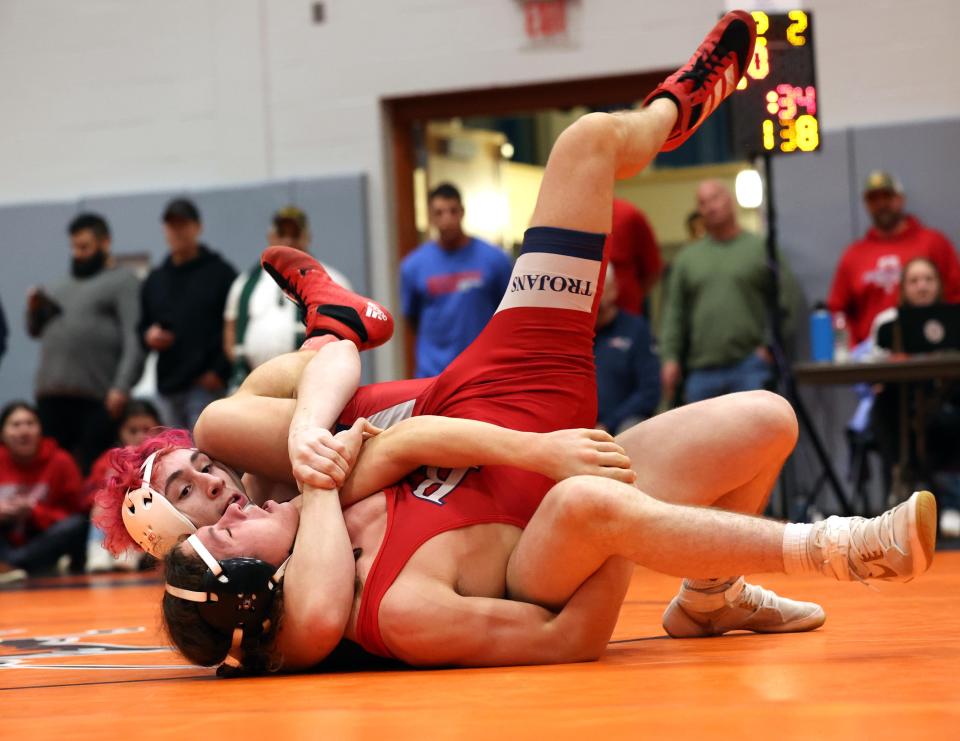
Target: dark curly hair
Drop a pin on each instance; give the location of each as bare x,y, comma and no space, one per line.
199,641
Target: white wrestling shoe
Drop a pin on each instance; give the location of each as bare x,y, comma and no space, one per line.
895,546
742,606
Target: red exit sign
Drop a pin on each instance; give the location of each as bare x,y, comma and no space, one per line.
544,19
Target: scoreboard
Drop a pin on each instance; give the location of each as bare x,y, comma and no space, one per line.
775,109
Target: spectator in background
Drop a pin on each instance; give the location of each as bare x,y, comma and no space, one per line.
259,322
868,275
695,226
717,306
634,254
41,513
139,418
628,370
90,355
450,286
921,286
182,317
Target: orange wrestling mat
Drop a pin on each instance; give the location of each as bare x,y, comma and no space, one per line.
86,659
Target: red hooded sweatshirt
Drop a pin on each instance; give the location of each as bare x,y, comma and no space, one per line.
868,276
51,483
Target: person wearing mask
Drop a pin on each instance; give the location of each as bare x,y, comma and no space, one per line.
41,509
869,273
716,307
182,317
628,369
90,355
450,286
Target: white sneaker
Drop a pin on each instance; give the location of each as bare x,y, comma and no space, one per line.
100,560
742,606
896,546
10,574
950,523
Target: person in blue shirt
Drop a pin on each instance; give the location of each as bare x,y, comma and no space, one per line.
450,286
628,369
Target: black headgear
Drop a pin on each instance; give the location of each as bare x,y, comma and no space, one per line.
237,596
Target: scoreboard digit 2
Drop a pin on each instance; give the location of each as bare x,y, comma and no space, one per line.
775,108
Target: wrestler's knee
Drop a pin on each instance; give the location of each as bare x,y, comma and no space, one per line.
594,134
583,501
776,417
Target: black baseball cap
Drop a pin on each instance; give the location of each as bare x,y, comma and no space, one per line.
181,209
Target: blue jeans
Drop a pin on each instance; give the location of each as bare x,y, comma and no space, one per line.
750,374
182,408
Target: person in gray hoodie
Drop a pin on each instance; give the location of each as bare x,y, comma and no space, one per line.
90,352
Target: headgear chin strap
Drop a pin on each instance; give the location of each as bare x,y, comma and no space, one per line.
236,598
152,521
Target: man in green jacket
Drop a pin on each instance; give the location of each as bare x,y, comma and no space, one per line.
716,313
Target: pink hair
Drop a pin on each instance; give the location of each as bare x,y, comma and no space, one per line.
125,464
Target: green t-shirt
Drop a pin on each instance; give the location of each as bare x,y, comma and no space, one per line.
716,301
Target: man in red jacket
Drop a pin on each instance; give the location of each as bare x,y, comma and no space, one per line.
867,280
41,514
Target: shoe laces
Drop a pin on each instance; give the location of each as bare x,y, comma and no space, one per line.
754,598
845,543
705,65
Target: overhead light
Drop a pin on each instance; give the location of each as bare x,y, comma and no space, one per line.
489,208
507,150
749,189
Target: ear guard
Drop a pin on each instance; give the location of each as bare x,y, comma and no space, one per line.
236,598
152,521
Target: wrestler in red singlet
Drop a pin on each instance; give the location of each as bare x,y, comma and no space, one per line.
531,369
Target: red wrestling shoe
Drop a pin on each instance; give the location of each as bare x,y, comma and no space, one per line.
329,308
710,76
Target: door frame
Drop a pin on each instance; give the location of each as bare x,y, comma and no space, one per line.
404,113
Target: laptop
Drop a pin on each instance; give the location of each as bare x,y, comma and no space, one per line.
923,329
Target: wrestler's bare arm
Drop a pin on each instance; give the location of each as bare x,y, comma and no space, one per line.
318,583
316,610
428,624
249,430
460,443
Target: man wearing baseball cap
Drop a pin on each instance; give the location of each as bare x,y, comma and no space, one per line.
182,317
867,280
259,323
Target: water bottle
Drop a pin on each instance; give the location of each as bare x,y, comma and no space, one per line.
841,338
821,334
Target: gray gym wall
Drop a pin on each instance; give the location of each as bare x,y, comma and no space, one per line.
35,248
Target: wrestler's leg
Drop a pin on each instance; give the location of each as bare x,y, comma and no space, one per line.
594,520
730,449
584,521
532,366
577,187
